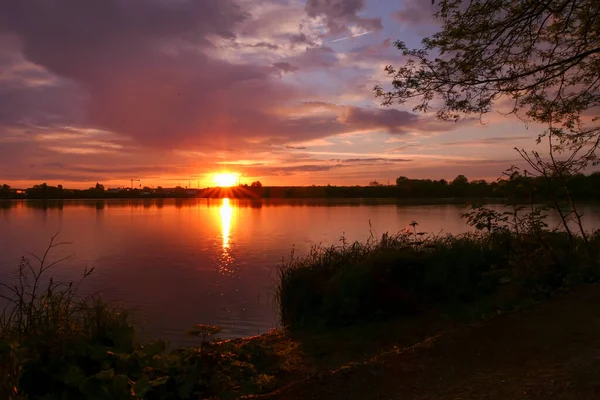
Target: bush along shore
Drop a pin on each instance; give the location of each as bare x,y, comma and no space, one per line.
56,345
408,273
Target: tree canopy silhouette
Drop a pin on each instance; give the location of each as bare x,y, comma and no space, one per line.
543,55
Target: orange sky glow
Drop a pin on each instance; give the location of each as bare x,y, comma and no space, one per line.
176,93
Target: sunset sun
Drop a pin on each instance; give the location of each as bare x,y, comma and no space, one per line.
225,179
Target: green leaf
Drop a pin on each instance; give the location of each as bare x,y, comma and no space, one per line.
142,386
153,349
123,357
123,338
121,385
106,375
159,381
97,353
73,376
49,397
5,346
94,389
185,389
160,363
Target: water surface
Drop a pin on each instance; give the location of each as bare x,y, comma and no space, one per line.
175,263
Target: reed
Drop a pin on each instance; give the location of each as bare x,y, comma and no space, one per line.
410,272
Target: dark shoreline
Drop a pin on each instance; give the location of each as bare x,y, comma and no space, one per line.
273,202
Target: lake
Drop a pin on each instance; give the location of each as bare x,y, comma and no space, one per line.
175,263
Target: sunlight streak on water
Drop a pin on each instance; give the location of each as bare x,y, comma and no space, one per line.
226,261
226,212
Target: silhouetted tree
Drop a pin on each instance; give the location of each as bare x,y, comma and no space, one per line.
5,191
256,184
513,187
543,55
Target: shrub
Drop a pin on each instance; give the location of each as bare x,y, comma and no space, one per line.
407,273
56,345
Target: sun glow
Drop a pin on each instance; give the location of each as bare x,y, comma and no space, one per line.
226,212
225,179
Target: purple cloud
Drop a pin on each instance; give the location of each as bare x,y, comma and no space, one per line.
392,120
145,73
143,70
199,76
301,38
372,160
314,57
341,14
417,12
285,67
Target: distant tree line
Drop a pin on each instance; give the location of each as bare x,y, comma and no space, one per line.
512,186
45,191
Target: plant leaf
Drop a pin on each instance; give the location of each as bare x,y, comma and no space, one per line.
94,389
97,353
121,384
159,381
142,386
73,376
106,375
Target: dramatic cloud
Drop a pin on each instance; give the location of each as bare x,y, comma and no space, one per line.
101,90
392,121
487,141
147,76
373,160
373,52
144,68
285,67
417,12
302,38
29,93
341,15
315,57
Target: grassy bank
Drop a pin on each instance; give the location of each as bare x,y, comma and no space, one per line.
409,273
57,345
542,352
341,305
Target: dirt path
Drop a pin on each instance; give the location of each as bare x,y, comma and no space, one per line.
551,351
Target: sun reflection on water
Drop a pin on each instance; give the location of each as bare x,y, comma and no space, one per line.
226,213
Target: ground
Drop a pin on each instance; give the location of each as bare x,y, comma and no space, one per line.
548,351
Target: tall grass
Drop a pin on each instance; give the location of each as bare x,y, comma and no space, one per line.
55,344
410,272
48,332
34,306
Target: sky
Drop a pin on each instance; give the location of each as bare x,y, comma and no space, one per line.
171,92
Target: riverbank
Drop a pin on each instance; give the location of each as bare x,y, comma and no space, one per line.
244,202
539,350
512,185
344,308
547,351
